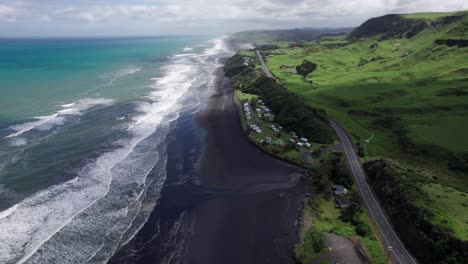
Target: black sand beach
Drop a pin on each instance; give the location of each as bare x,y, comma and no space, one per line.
234,205
251,228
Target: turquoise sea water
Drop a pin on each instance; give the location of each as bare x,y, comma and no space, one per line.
82,126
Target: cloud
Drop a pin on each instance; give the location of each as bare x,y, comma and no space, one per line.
194,16
8,13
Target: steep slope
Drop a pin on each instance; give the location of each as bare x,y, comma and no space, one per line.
406,26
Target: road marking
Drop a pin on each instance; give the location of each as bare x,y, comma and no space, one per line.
352,159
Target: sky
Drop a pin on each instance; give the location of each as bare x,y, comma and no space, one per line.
181,17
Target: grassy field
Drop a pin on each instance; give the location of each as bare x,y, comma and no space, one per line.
450,207
421,84
327,220
430,16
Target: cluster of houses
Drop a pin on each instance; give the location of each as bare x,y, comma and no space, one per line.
266,114
247,112
301,142
264,111
271,141
247,60
275,128
256,128
339,191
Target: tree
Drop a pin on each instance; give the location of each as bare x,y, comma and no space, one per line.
306,68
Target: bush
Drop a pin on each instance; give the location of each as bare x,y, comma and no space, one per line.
315,239
306,68
363,229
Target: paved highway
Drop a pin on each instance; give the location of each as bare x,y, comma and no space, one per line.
398,253
264,66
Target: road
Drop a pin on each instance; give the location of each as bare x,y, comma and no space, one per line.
264,66
399,254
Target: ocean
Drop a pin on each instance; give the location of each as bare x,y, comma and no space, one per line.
83,138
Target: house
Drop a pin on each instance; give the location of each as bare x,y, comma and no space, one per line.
300,144
304,140
339,190
342,202
307,145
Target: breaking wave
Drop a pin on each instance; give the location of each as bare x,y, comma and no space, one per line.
87,219
44,123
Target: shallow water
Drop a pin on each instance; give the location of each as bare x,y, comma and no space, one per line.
83,129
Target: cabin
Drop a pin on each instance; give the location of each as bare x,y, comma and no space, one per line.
342,202
339,190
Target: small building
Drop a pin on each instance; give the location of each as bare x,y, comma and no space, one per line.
307,145
339,190
304,140
300,144
342,202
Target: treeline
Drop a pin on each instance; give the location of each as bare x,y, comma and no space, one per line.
398,192
290,111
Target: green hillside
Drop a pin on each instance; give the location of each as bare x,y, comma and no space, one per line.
399,84
298,34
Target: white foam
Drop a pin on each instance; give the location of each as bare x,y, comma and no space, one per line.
90,213
17,142
188,49
120,73
45,123
8,211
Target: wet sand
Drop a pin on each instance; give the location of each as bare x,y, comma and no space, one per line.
224,200
258,227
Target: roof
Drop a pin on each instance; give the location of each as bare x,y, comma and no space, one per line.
339,188
342,202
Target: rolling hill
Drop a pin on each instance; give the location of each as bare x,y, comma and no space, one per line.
399,84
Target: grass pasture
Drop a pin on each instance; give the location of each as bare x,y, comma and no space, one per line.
449,206
415,81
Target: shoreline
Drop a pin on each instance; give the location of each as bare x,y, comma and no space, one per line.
260,227
227,202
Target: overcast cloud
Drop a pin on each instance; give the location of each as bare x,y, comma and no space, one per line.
155,17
